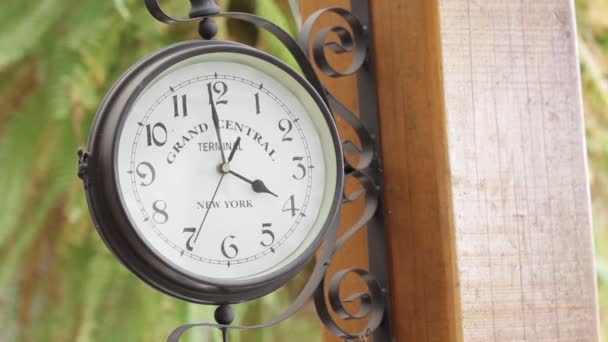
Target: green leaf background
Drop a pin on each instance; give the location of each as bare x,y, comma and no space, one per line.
58,282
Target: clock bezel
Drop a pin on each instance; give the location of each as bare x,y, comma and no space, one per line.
112,219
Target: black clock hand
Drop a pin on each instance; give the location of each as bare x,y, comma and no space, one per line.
259,187
256,185
208,208
216,121
234,148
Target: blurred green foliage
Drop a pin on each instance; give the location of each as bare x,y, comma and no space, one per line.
592,18
58,282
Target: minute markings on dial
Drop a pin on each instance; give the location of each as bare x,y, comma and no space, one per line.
283,235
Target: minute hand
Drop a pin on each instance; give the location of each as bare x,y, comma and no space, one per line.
208,208
256,185
216,122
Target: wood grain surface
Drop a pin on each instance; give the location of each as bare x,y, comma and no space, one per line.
424,285
518,170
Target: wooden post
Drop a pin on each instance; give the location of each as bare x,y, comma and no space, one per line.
518,170
485,169
424,282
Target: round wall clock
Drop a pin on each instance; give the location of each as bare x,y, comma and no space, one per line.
214,171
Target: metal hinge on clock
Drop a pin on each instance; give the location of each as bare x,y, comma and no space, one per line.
83,164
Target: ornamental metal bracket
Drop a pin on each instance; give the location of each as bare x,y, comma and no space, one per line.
363,166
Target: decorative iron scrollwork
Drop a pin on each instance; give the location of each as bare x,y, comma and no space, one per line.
352,39
371,304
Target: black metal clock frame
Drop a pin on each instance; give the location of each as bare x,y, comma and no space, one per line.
366,170
104,197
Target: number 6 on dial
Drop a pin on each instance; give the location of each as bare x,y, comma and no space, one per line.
232,248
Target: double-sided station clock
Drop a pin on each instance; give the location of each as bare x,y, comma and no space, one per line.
213,171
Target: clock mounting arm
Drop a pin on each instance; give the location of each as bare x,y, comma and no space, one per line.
363,168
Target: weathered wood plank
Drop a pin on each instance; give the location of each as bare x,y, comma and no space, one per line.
518,170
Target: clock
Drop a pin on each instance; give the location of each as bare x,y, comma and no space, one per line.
214,171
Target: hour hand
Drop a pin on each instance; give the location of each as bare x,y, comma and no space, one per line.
235,147
256,185
259,187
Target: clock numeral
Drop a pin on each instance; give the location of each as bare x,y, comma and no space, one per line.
220,88
257,103
301,167
286,126
290,206
160,215
190,231
176,106
267,232
143,170
230,251
153,134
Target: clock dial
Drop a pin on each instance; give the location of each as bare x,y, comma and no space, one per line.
226,167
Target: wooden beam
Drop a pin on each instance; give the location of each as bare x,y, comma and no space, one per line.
518,170
424,286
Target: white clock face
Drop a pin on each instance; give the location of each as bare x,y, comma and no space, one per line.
235,210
